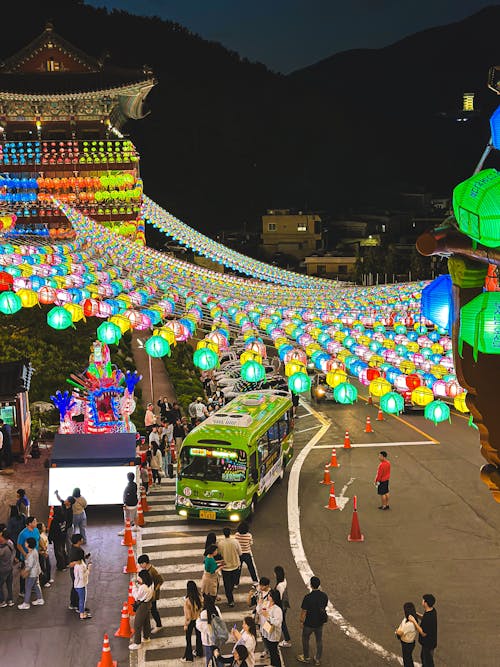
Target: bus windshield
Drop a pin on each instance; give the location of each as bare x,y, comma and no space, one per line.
213,464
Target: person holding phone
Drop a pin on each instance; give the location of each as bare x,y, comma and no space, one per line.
247,636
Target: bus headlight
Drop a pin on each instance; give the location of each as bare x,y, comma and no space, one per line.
236,505
183,512
234,517
181,500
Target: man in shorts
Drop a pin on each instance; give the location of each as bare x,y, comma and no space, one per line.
382,480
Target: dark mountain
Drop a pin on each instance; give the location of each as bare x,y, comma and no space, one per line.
227,139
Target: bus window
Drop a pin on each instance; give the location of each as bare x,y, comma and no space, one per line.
284,425
273,434
263,448
252,468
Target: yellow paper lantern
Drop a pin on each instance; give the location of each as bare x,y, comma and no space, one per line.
376,361
249,355
75,311
422,396
459,402
209,344
167,334
437,348
28,297
412,346
407,367
294,367
336,377
379,387
438,370
389,344
123,323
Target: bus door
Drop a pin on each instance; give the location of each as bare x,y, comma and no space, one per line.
269,458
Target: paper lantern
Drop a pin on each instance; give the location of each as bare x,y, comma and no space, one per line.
10,303
379,387
437,412
293,367
392,403
412,382
47,295
422,396
480,324
345,393
252,371
437,303
336,377
6,281
298,383
28,297
476,204
109,333
59,318
205,359
495,128
156,346
460,403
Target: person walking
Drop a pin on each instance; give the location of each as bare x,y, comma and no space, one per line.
230,551
81,580
154,436
204,626
43,556
407,632
79,514
57,537
382,480
271,629
75,554
282,588
158,580
7,557
156,463
211,566
6,439
143,592
312,618
130,499
192,610
248,637
179,433
31,573
30,531
22,503
427,630
245,540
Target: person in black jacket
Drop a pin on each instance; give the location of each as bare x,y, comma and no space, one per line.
57,537
130,499
427,630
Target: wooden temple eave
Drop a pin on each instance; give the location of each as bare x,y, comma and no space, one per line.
139,89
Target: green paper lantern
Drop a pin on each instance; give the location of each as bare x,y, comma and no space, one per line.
10,303
205,359
157,346
109,333
480,324
476,204
437,412
299,382
345,393
392,403
59,318
252,371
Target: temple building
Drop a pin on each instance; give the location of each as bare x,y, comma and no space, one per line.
61,118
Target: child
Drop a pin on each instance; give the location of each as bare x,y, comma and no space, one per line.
81,571
32,569
43,556
144,476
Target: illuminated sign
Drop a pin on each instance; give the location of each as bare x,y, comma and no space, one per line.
198,451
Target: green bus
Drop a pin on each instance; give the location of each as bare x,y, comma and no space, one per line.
231,460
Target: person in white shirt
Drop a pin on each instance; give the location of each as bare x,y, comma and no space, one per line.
407,632
143,592
282,588
248,637
200,409
81,571
271,629
154,436
203,624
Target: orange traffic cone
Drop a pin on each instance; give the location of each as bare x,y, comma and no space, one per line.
370,400
380,416
144,500
326,476
368,427
355,534
140,516
347,441
150,477
128,540
106,657
131,566
51,517
332,502
333,461
124,630
130,601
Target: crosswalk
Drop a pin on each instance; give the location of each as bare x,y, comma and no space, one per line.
175,548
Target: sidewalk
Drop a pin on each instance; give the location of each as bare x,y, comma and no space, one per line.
153,374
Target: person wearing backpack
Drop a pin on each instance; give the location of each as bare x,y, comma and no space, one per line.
212,628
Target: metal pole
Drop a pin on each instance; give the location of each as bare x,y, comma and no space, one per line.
150,378
482,159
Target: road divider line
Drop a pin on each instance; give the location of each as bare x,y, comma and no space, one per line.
304,430
297,546
405,443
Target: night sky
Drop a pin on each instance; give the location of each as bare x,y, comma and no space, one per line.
290,34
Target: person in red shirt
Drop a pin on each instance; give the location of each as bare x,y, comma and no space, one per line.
382,480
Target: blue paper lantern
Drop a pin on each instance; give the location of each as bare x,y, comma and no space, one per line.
495,128
437,303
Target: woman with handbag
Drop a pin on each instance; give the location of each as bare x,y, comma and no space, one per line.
210,579
192,610
204,625
271,629
143,592
407,632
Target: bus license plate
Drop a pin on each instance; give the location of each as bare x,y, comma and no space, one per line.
204,514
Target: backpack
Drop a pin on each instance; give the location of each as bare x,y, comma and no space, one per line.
219,631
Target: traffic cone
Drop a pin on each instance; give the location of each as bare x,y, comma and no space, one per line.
333,461
150,477
140,516
128,540
347,441
130,601
332,502
370,400
380,416
51,517
106,657
144,500
124,630
131,566
326,476
355,534
368,427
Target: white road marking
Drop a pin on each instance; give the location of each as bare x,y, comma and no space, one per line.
380,444
312,428
342,500
297,546
198,539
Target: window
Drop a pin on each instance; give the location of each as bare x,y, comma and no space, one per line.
321,269
271,226
53,65
302,226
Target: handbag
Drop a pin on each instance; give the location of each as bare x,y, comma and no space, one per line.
267,627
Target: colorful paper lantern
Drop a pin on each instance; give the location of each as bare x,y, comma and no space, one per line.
10,303
437,412
59,318
437,302
345,393
205,359
392,403
156,346
252,371
109,333
379,387
422,396
298,383
476,204
480,324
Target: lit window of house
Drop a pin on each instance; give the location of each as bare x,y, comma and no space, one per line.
468,102
53,65
302,226
271,226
